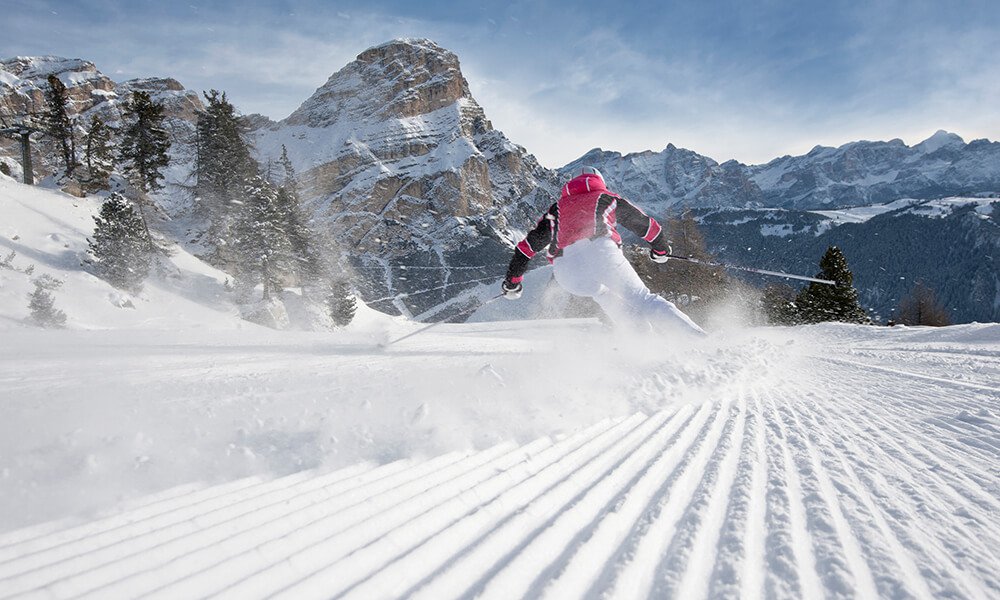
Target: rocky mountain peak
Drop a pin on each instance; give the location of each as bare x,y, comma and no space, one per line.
24,79
940,139
399,79
40,67
398,162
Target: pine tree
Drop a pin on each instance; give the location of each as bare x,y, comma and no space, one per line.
779,305
289,180
120,245
300,234
224,161
821,302
98,153
341,302
260,241
921,307
42,304
58,123
144,143
224,165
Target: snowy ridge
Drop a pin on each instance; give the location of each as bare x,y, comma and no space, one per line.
862,172
854,477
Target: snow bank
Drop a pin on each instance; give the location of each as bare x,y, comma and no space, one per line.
48,231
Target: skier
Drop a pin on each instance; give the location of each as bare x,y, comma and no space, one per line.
583,245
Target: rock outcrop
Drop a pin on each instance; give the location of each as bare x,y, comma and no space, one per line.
398,162
24,80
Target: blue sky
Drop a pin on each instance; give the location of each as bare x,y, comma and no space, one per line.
729,79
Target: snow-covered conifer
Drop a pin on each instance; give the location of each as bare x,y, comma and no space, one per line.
821,302
779,304
296,226
98,153
260,242
289,180
144,143
224,163
42,304
341,302
120,245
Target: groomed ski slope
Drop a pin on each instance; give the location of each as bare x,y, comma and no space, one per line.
830,461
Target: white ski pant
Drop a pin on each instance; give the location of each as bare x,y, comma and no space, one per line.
598,269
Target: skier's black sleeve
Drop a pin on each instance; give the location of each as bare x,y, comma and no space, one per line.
639,223
537,239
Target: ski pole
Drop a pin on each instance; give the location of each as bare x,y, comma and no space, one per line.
461,314
748,269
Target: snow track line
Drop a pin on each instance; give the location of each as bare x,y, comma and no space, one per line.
607,536
939,380
695,582
64,544
471,571
925,457
937,556
864,583
738,566
310,550
263,546
436,551
359,565
792,514
910,577
84,569
790,487
637,576
554,545
896,485
215,545
676,556
27,534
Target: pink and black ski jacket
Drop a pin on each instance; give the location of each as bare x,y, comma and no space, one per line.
585,210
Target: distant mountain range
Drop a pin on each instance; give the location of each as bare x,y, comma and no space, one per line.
854,174
425,198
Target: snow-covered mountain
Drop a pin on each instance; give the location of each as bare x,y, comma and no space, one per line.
877,172
854,174
400,163
673,177
424,197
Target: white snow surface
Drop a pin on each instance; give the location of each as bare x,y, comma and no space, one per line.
507,459
173,450
937,208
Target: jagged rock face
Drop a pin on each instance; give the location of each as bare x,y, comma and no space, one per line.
24,80
178,102
673,178
876,172
400,165
404,78
854,174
